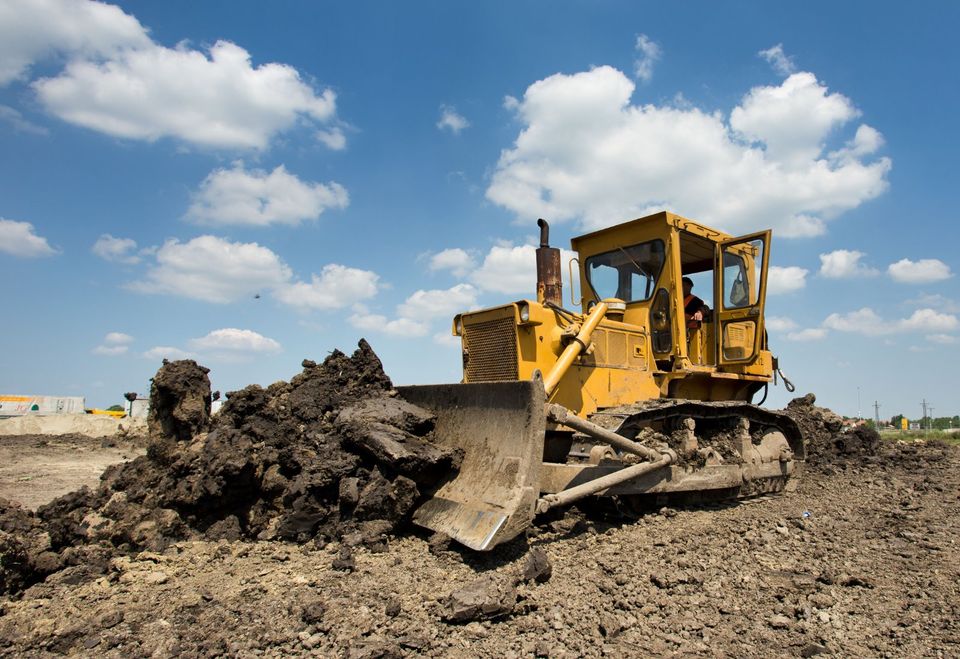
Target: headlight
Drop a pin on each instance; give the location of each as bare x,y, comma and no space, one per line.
458,325
524,313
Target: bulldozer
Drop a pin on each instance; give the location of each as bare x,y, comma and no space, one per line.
630,399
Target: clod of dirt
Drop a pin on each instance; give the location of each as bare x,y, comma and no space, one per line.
537,567
826,441
334,453
179,400
491,596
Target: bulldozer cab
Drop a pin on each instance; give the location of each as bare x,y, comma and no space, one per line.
643,264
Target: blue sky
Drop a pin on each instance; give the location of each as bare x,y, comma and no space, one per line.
252,184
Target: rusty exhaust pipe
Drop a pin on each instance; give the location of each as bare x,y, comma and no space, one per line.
549,279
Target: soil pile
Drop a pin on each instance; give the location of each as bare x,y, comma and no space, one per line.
827,442
332,454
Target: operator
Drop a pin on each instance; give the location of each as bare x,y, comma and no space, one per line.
693,307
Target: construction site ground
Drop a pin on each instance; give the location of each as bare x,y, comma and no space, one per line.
861,560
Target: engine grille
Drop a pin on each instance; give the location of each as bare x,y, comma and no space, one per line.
491,350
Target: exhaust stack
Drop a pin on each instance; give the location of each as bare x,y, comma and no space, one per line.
549,279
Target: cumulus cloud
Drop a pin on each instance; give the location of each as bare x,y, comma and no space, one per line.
785,279
648,52
114,344
417,311
779,60
118,250
213,270
942,339
923,271
233,340
258,198
31,30
844,264
457,261
809,334
779,324
19,239
167,352
215,98
451,120
439,303
405,327
585,153
866,321
508,269
336,286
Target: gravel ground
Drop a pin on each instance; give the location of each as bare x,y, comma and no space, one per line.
861,560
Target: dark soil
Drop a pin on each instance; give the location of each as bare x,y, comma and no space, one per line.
332,453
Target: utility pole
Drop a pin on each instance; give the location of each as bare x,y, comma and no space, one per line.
859,416
876,413
930,422
924,404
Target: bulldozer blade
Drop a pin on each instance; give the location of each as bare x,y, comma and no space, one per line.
499,426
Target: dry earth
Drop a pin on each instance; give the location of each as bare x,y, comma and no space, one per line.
35,469
280,530
860,561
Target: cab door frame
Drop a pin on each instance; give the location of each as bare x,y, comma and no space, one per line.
736,319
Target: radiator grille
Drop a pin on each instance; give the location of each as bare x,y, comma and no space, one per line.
491,350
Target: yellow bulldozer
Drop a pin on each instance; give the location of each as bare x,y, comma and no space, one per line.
636,396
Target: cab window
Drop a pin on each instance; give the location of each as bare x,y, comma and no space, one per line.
627,273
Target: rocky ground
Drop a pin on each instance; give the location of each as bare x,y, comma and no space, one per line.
861,560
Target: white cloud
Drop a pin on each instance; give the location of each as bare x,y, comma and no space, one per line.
110,351
780,62
937,301
648,52
438,303
405,327
118,250
114,344
234,340
920,272
809,334
213,269
446,339
792,120
210,99
417,311
336,287
456,260
258,198
779,324
866,321
585,153
167,352
31,30
844,264
451,120
19,239
117,338
868,140
942,339
785,279
508,269
18,123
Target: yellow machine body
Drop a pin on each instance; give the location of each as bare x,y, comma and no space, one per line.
644,347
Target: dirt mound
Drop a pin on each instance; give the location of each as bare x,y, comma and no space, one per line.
332,454
826,440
